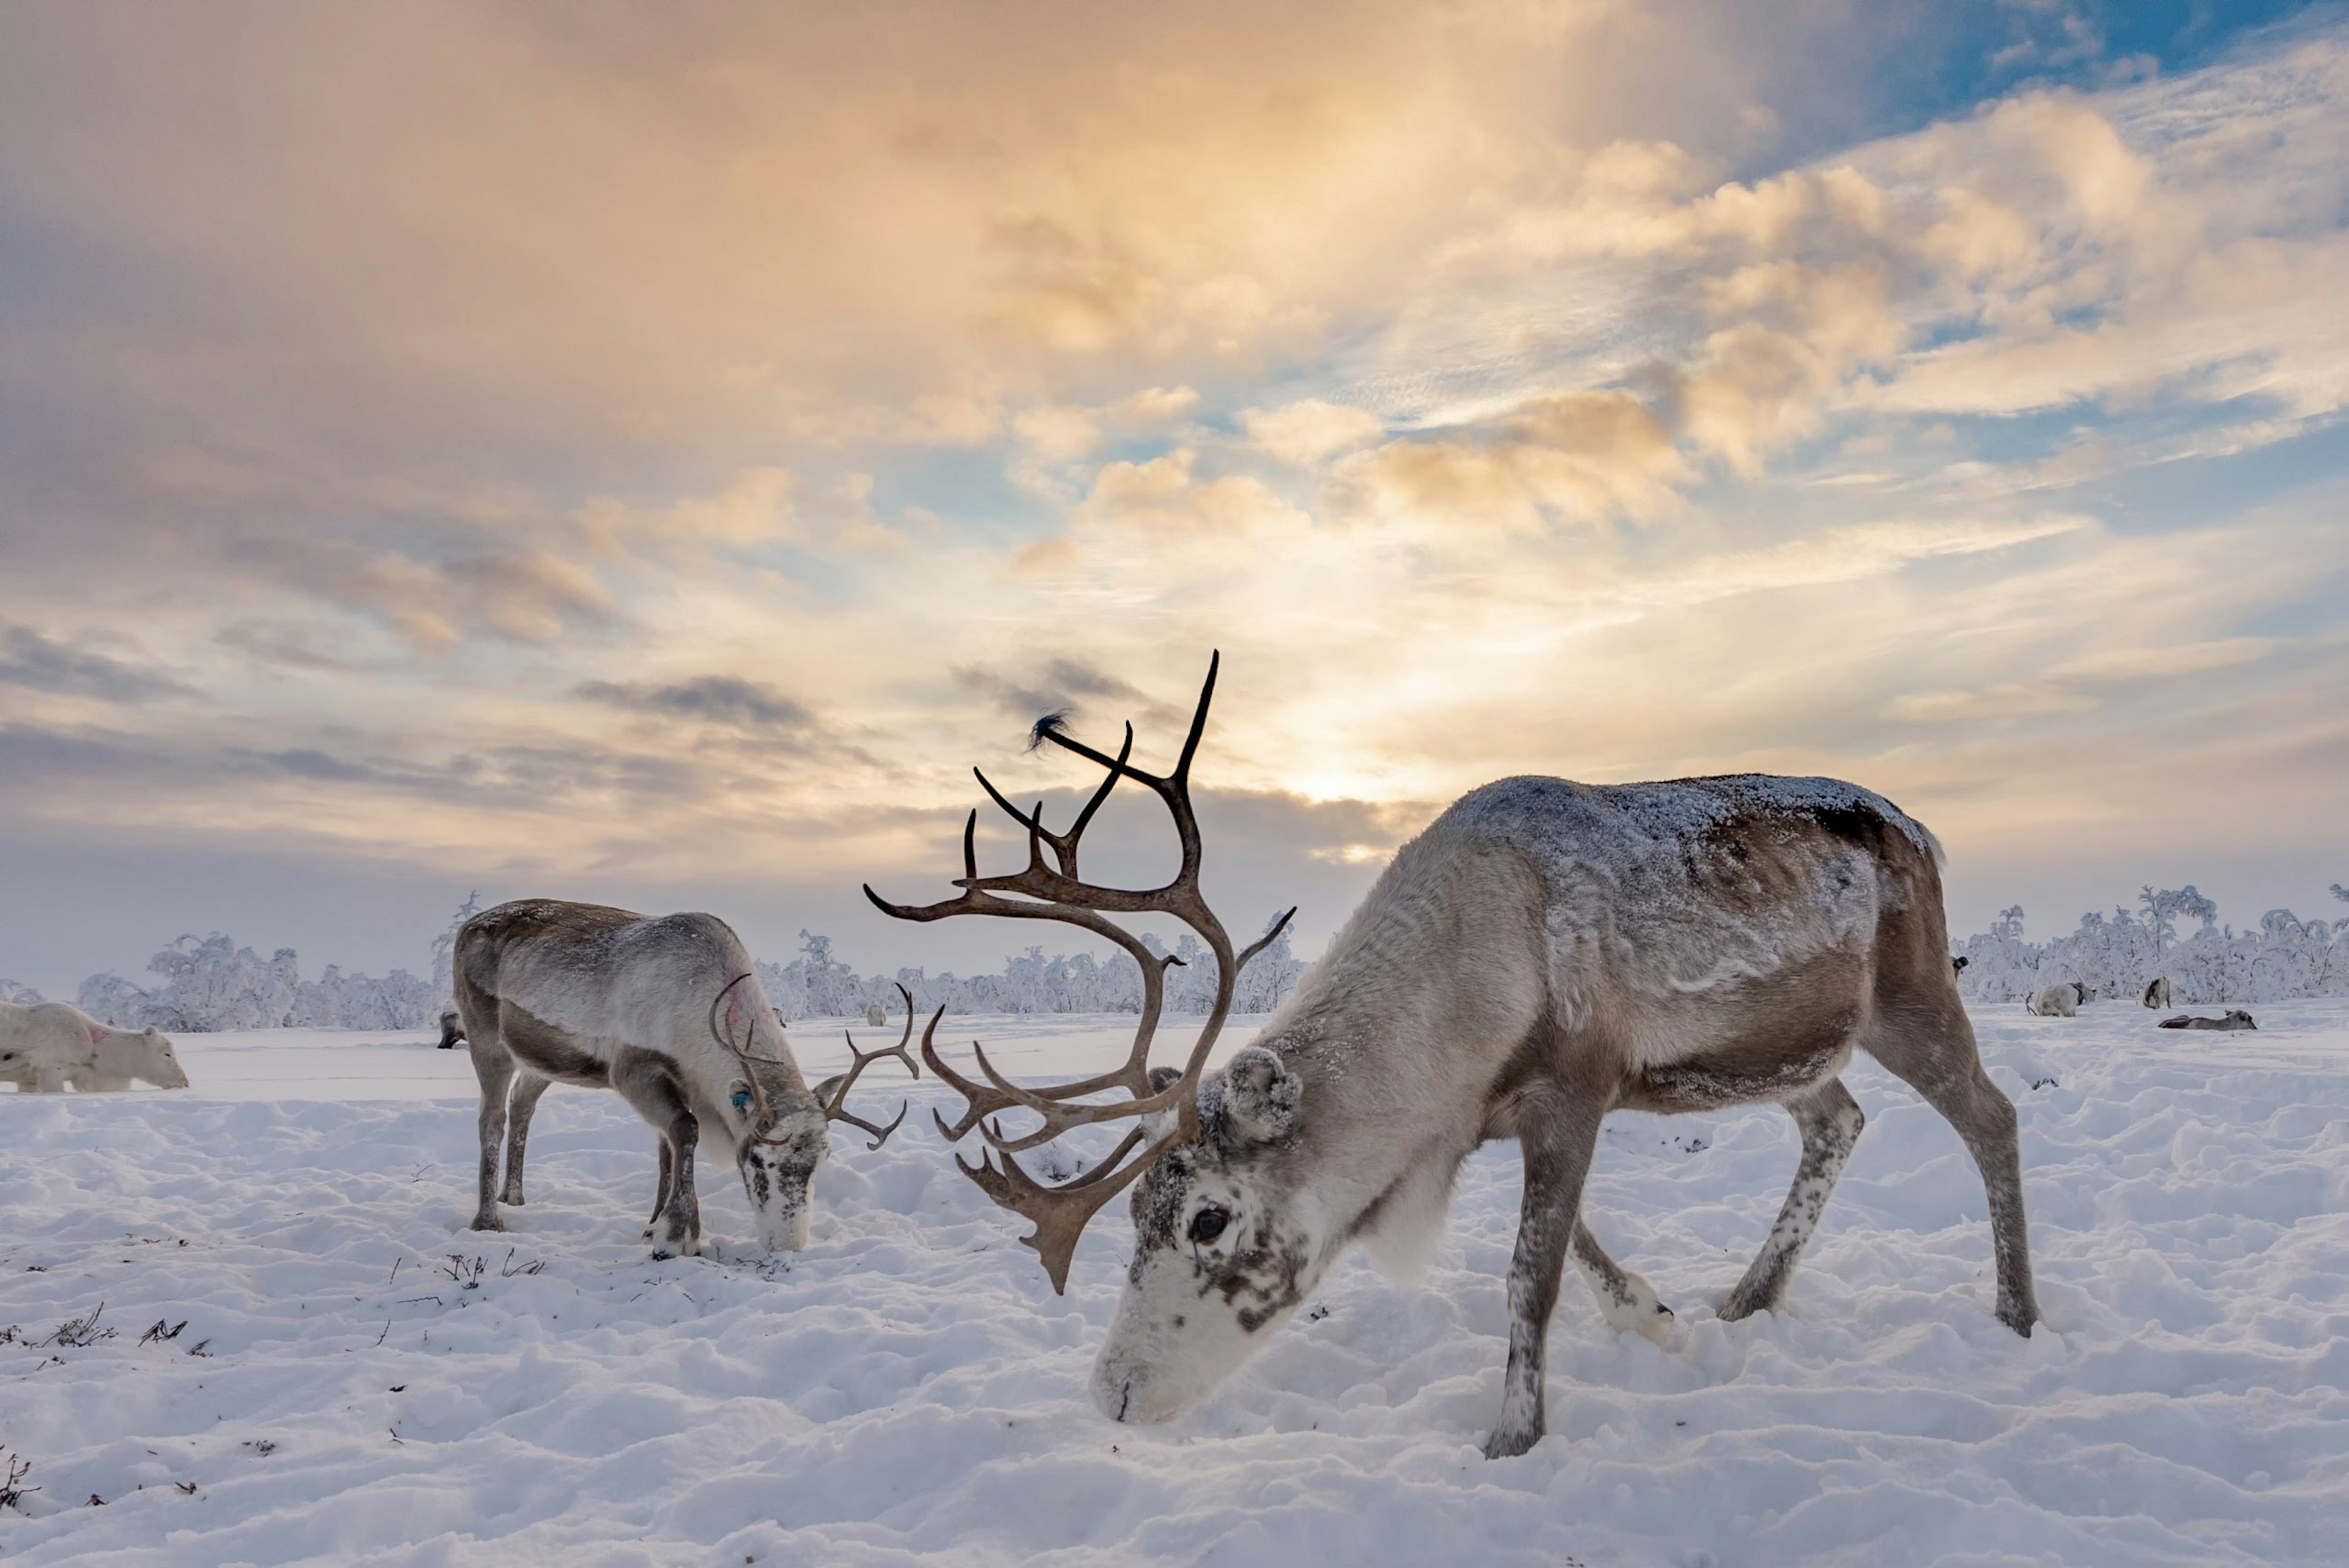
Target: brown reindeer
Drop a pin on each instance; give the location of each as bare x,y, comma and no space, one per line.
1545,953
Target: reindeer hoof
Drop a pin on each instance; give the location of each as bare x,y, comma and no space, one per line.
488,1221
1505,1444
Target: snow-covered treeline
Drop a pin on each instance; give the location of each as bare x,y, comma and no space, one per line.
22,995
816,986
210,983
2282,958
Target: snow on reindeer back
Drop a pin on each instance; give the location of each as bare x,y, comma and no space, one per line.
1692,883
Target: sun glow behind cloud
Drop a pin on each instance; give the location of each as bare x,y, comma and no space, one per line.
670,453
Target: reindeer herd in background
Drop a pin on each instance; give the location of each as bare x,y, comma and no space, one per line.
1544,953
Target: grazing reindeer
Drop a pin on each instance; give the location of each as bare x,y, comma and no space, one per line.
2061,1000
2156,992
1544,953
577,993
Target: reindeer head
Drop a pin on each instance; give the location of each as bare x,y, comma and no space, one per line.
1226,1245
162,1062
1228,1241
782,1133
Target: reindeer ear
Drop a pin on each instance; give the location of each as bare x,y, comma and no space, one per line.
1263,1100
739,1095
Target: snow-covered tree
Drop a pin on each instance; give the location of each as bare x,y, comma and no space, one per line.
2284,957
22,995
444,946
210,983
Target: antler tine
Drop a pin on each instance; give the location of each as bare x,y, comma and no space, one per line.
1038,893
880,1134
741,1053
834,1109
1059,1213
1261,942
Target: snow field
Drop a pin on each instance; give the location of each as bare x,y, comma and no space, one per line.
909,1389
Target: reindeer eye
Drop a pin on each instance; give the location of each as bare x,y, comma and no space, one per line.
1208,1223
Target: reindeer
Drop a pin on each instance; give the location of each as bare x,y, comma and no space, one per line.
2061,1000
1545,953
576,993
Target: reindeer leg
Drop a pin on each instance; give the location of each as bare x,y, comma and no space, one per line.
521,1106
1831,1121
1626,1300
661,1190
648,1082
1941,1063
493,1065
1558,1140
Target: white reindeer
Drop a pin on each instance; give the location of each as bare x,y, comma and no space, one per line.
45,1045
1546,952
668,1012
2156,992
2061,1000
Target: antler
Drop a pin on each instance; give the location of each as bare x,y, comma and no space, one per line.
1056,892
832,1108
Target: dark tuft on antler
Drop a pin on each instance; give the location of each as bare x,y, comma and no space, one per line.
1056,892
1044,728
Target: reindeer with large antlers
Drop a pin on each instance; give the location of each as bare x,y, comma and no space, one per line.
668,1012
1544,953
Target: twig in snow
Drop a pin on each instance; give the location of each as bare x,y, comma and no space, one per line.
187,1486
13,1489
79,1333
508,1270
395,1270
386,1333
164,1329
467,1275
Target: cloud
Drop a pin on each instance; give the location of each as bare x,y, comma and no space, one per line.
714,699
1307,431
1162,497
30,660
1574,457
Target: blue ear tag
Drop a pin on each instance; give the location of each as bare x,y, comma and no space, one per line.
741,1100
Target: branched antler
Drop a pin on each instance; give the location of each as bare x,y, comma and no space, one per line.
1056,892
833,1104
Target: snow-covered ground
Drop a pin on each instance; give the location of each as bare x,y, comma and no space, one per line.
351,1386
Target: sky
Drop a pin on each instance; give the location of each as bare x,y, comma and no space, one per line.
651,454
